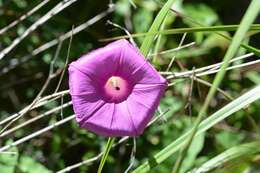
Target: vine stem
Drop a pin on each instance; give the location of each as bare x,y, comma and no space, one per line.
109,144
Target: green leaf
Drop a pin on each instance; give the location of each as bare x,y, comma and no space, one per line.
229,139
29,165
207,29
146,45
215,118
142,19
105,154
247,20
201,13
195,148
8,161
228,155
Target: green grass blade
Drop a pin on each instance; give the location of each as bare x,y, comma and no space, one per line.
155,27
109,144
247,20
253,27
158,42
247,47
206,124
228,155
205,29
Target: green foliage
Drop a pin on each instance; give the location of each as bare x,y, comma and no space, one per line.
29,165
228,139
8,161
219,141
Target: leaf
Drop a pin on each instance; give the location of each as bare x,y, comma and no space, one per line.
195,148
109,144
8,161
29,165
200,13
146,45
209,122
228,139
142,19
249,17
228,155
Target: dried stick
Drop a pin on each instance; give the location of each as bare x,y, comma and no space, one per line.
52,43
41,102
66,62
188,73
26,138
45,85
29,13
7,132
213,66
173,50
173,58
123,139
59,7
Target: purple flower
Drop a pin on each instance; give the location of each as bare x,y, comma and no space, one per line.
114,90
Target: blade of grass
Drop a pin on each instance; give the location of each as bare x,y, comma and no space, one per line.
158,42
109,144
234,106
254,27
247,47
247,20
155,27
228,155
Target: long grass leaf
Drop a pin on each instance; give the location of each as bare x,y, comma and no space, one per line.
229,155
155,27
253,27
206,124
109,144
247,20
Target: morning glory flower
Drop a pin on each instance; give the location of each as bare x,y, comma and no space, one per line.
115,90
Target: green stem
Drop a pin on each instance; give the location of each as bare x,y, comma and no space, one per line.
253,27
247,20
148,41
105,154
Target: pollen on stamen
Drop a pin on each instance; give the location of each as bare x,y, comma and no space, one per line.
116,88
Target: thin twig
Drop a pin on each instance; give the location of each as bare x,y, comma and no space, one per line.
29,13
7,132
213,66
132,158
45,85
173,58
189,73
26,138
41,102
59,7
189,103
66,62
74,166
54,42
125,30
209,85
173,50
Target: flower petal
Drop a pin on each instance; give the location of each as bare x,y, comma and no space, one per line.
85,106
94,96
101,63
143,102
122,124
134,66
80,83
101,121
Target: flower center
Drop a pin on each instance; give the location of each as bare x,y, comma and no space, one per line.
116,89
